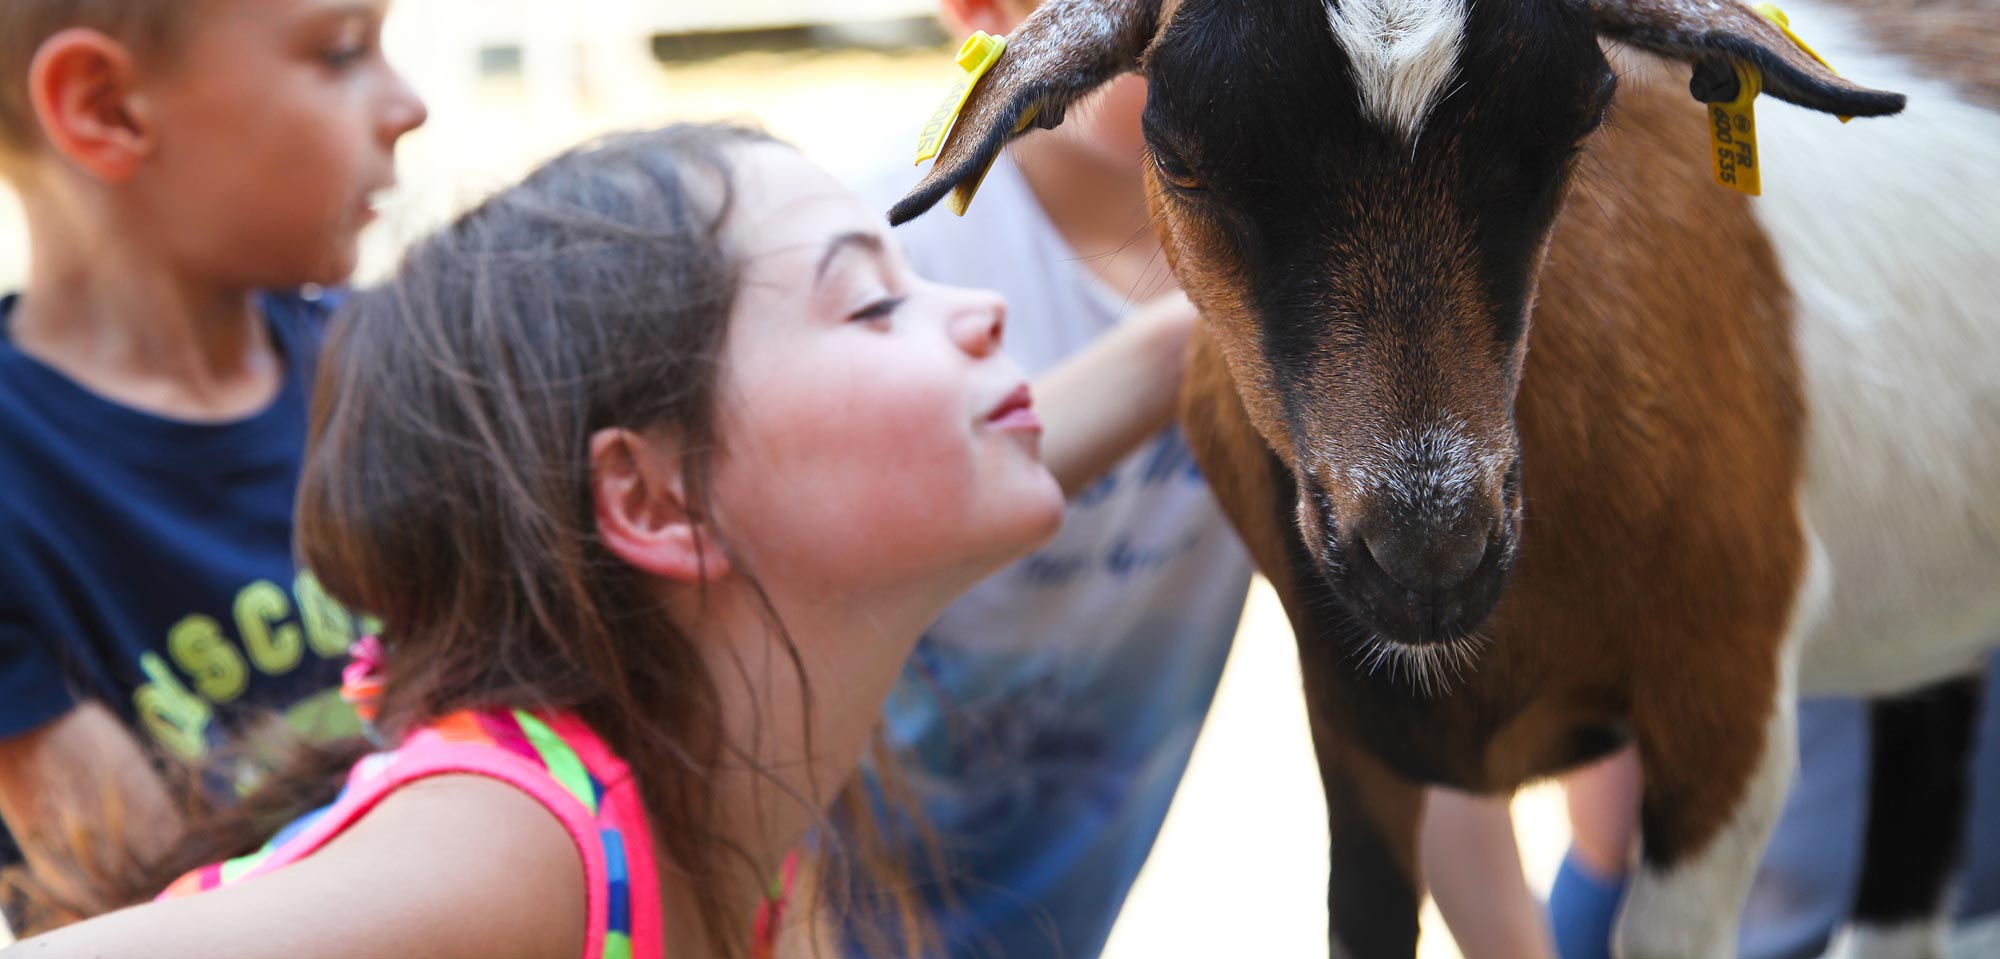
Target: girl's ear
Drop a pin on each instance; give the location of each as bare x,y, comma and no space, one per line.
80,85
642,509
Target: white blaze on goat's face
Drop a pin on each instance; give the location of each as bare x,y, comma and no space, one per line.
1403,52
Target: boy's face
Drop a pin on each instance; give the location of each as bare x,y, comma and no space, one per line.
273,128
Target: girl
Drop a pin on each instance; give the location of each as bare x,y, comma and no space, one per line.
654,467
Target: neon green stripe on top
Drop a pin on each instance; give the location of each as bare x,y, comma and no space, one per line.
562,761
234,869
617,945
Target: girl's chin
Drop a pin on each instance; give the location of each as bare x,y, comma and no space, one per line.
1028,514
1046,516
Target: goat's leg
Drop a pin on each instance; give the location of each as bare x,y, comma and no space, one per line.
1916,821
1373,892
1718,759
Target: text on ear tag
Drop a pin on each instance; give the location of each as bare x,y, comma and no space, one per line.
977,56
1732,134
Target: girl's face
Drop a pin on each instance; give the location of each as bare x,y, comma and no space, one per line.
873,434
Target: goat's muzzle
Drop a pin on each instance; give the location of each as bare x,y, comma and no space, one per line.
1415,576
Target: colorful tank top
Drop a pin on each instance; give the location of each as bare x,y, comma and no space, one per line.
556,760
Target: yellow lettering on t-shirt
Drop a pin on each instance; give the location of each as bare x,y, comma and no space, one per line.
176,718
273,644
209,658
329,629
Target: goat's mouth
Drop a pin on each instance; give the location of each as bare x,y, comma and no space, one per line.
1431,669
1428,636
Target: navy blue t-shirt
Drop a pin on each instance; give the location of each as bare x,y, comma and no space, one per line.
146,563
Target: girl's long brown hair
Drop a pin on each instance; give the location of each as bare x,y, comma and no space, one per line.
447,490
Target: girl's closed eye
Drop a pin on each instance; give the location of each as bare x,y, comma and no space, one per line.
880,310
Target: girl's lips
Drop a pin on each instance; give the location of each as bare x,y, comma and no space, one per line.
1023,420
1016,412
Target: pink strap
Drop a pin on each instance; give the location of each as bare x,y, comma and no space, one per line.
433,758
624,806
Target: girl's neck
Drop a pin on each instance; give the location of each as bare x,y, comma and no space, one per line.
115,318
802,749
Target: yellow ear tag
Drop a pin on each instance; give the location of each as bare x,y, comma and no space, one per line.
1771,12
960,198
1732,126
976,57
1732,134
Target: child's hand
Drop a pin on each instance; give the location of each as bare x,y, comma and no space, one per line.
1105,401
1167,321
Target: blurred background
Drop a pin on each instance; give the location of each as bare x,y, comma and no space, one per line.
1240,869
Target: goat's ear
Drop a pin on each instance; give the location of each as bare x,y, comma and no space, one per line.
1708,34
1064,50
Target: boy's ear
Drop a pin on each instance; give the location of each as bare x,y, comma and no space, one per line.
1064,50
643,515
1711,33
80,84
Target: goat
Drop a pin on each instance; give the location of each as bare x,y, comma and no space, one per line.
1754,449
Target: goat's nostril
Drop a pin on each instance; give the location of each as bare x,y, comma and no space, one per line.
1427,564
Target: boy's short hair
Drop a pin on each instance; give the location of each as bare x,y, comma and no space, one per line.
149,27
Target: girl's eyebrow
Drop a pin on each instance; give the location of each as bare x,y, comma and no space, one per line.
867,241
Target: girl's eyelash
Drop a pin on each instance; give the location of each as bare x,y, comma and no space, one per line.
880,309
345,56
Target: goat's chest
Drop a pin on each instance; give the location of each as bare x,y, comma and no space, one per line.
1888,233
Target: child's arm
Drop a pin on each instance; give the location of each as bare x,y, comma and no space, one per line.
1473,863
73,780
1103,402
455,866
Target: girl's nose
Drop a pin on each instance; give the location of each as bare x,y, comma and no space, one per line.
979,324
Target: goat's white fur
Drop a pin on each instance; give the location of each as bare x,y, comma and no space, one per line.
1431,470
1885,230
1916,939
1403,52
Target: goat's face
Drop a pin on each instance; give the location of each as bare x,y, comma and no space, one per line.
1357,194
1361,220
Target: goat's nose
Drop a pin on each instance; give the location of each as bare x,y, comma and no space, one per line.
1429,561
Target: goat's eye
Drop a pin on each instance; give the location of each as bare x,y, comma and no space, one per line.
1175,170
1593,124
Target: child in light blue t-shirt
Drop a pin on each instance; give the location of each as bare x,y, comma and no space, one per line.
1047,718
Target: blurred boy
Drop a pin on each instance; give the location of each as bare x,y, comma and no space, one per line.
173,158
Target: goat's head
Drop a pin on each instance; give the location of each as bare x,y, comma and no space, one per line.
1358,193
